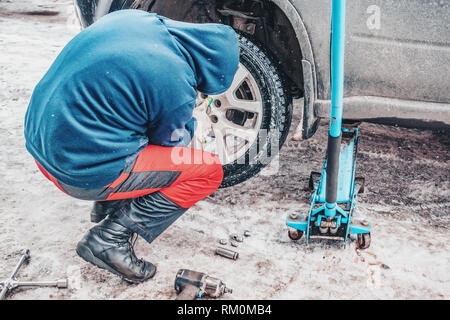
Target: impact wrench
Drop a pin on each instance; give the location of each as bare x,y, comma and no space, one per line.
191,285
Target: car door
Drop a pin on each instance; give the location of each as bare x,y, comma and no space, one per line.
398,49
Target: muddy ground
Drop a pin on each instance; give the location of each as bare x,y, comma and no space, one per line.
407,199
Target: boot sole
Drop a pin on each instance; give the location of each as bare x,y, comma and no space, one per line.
85,253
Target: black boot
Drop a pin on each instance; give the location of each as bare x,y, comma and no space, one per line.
103,208
108,246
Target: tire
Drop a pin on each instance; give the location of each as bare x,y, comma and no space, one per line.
277,114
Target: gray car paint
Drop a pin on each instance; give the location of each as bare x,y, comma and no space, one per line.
408,57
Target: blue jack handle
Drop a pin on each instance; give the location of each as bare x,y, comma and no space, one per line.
337,97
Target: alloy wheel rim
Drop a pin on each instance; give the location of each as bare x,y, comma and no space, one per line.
233,120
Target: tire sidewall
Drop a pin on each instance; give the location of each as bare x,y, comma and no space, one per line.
274,98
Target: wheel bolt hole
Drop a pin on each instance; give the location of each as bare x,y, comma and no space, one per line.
214,119
217,103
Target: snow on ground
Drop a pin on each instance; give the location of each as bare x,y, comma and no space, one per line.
407,199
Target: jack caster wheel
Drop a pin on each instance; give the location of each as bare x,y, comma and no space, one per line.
295,234
363,240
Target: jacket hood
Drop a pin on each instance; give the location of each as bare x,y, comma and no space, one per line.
212,50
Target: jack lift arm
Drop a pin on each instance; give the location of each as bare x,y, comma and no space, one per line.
331,215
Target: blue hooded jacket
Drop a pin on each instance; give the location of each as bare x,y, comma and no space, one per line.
128,80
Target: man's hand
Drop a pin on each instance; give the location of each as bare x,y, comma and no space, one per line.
201,113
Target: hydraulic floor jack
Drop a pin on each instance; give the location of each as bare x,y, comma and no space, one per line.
331,215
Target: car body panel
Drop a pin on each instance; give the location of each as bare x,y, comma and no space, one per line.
407,56
403,55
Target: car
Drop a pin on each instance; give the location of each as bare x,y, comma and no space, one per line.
397,67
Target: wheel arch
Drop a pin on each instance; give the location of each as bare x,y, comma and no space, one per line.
309,119
300,30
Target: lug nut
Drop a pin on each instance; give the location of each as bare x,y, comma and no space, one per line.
214,119
217,103
227,253
237,237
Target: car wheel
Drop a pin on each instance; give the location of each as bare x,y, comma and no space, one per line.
251,120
